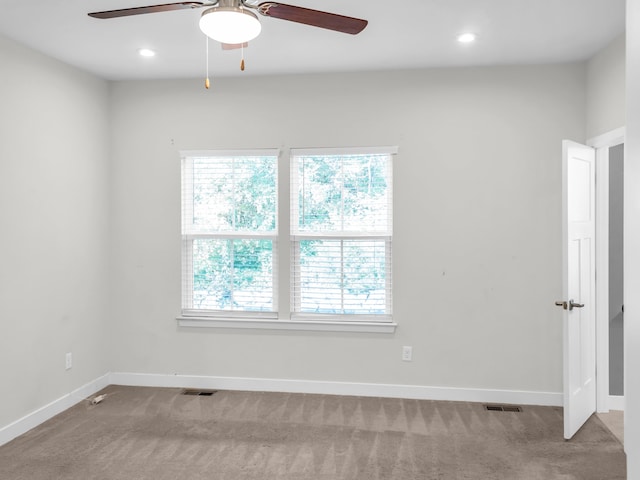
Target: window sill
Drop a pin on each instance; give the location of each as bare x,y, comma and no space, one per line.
267,324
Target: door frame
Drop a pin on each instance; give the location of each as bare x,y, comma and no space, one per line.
601,144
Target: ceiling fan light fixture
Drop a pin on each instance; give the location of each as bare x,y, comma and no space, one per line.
231,25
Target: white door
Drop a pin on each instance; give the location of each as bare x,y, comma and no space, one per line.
578,168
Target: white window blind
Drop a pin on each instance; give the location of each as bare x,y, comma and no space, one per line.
229,233
341,233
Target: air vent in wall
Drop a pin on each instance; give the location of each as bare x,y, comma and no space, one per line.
503,408
198,392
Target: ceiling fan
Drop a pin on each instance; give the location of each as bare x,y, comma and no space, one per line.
234,21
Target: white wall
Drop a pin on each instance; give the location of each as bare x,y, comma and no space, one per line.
606,89
632,242
53,218
477,220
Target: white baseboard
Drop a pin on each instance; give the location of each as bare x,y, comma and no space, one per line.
616,402
41,415
339,388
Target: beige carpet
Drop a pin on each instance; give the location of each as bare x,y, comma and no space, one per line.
156,434
614,421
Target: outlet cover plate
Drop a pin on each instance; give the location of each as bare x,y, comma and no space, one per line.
407,353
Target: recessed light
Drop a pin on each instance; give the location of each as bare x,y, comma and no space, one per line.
467,37
146,52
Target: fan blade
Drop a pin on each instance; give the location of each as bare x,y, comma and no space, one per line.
315,18
126,12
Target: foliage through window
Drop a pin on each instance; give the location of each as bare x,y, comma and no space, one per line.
229,228
341,225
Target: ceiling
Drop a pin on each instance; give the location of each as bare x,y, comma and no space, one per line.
400,35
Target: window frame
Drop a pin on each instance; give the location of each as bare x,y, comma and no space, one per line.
188,237
296,237
281,237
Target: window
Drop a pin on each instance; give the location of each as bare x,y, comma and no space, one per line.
341,234
338,239
229,233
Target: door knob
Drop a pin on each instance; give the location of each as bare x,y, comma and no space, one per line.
569,305
562,304
573,305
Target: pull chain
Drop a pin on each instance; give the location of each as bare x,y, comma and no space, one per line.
206,80
242,46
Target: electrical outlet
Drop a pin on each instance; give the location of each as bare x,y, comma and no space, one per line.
68,361
407,353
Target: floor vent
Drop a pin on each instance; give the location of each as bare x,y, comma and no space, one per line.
503,408
197,392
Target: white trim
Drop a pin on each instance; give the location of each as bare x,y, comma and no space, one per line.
41,415
356,319
267,324
230,315
609,139
239,235
256,152
616,402
340,388
602,144
307,152
602,279
342,236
